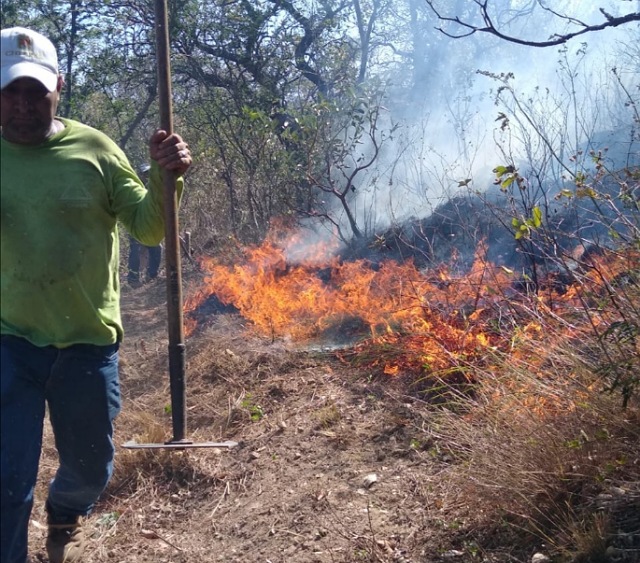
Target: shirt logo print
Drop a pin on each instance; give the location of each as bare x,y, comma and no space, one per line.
76,196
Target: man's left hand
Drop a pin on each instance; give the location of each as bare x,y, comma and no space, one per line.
170,152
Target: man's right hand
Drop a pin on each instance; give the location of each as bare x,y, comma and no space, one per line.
170,152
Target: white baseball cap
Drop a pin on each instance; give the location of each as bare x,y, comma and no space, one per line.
27,54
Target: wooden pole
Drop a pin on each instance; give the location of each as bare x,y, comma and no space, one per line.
177,370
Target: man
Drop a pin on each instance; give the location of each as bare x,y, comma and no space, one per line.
136,249
63,186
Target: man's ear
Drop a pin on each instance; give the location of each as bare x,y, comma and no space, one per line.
60,83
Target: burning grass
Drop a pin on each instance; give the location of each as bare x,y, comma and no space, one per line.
434,325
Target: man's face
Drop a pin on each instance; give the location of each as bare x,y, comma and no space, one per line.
27,111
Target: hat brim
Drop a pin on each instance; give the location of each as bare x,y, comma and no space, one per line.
46,77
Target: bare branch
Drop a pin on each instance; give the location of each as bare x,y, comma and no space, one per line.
557,39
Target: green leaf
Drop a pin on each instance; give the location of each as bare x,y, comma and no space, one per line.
580,178
537,217
506,182
586,192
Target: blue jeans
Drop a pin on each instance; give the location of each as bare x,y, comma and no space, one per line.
154,256
81,388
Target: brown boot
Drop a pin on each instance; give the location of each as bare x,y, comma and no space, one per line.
66,542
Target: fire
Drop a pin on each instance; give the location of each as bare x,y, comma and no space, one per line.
404,320
391,300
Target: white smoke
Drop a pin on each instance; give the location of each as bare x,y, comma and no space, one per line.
449,140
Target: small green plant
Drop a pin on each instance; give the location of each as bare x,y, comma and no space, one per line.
256,413
506,176
473,549
108,520
524,227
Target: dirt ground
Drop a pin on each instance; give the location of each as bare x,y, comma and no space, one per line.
334,464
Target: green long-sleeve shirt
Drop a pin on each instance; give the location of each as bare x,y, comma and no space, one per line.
59,250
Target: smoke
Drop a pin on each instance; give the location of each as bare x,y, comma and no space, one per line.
557,103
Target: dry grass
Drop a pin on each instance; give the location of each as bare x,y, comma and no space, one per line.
538,455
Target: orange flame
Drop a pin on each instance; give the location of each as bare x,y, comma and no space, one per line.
417,322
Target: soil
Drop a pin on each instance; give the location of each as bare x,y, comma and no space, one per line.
333,463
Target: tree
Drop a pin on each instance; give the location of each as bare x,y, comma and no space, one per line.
251,80
344,142
265,72
488,16
119,84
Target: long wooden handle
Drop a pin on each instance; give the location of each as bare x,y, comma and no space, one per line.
177,370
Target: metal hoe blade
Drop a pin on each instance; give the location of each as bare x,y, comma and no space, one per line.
131,445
